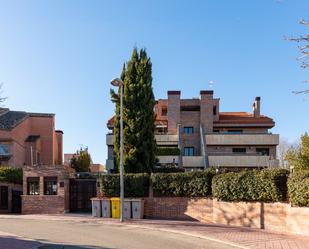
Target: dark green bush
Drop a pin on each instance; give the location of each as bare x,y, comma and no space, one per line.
298,188
189,184
168,151
168,170
11,175
251,185
135,185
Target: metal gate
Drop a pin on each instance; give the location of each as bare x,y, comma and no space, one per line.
81,191
4,195
16,201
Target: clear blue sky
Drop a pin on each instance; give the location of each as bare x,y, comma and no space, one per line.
58,56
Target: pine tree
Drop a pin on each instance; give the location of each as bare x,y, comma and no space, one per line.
139,117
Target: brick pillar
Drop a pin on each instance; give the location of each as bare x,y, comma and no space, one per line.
173,111
41,185
206,113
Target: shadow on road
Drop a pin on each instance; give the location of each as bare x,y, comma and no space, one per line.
54,246
13,242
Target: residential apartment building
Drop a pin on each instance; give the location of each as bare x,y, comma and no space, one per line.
29,139
206,137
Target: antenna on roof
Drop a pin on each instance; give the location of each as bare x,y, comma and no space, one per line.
210,84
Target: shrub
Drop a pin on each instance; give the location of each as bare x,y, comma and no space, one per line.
135,185
251,185
11,175
168,151
189,184
298,188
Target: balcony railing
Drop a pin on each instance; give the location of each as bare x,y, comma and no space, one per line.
166,139
193,162
242,161
242,139
110,139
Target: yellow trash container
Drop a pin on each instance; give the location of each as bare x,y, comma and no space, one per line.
115,207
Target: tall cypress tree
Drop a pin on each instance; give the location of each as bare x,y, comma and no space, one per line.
139,117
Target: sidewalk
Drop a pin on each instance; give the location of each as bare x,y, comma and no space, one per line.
10,241
238,236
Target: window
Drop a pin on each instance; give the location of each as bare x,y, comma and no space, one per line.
188,130
164,111
33,186
50,186
214,110
262,151
239,150
189,151
234,131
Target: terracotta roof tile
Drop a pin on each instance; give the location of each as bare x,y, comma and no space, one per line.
243,118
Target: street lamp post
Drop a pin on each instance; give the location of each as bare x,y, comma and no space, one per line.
118,83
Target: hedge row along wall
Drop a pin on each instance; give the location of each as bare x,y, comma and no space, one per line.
298,188
189,184
135,185
268,185
11,175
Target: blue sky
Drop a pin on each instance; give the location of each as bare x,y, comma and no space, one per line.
58,56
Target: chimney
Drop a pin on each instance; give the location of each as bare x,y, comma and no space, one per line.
173,111
257,107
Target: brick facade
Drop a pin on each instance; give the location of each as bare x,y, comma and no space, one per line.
280,217
30,132
202,118
34,204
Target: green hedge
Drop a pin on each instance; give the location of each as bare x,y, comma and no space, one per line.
189,184
298,188
135,185
11,175
251,185
168,151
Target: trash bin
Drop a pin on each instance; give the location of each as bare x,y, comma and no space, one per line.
96,207
106,207
137,208
127,209
115,207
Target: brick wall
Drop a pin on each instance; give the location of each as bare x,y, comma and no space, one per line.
279,217
179,208
43,204
47,204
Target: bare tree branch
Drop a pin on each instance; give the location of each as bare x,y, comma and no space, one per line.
304,50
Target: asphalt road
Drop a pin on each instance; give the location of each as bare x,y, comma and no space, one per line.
91,235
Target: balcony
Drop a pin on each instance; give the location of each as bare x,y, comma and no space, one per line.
109,164
166,139
242,161
163,160
193,162
110,139
242,139
162,139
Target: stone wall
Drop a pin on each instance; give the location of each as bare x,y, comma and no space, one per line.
280,217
